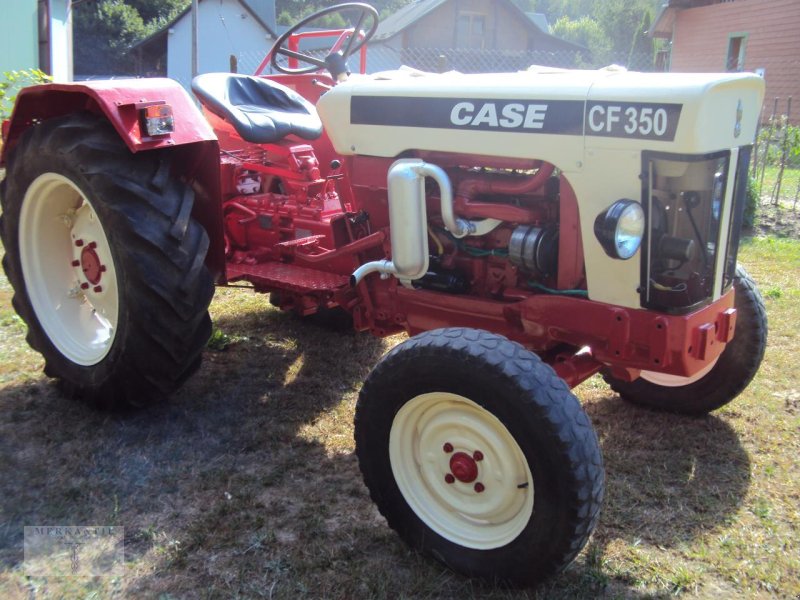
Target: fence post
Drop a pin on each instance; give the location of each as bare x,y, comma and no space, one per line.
784,152
766,149
441,64
754,165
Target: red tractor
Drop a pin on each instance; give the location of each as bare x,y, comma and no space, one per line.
527,230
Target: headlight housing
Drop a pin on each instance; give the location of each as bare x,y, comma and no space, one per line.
620,228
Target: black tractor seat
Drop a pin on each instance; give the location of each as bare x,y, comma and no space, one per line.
260,110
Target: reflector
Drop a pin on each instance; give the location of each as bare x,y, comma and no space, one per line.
158,119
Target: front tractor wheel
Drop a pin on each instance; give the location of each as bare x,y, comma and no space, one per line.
478,455
721,380
106,265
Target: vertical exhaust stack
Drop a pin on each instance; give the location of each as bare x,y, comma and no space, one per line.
408,221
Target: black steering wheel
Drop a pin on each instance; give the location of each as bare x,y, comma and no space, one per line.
353,43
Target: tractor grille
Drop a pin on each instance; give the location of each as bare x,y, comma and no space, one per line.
693,224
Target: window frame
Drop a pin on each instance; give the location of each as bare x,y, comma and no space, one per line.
740,59
466,42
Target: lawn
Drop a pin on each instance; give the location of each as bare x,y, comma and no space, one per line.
245,484
790,184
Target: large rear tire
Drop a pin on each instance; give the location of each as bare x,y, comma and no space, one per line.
479,456
106,262
721,381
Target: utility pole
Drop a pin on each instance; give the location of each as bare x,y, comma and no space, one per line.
195,60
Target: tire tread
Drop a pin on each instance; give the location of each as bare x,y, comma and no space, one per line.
148,213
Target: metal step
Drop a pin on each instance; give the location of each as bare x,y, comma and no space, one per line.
286,276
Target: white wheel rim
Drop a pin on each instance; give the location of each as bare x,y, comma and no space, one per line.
666,380
68,269
433,432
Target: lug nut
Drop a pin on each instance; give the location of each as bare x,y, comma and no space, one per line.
84,286
97,289
449,478
479,487
102,268
92,245
477,455
76,263
79,243
448,447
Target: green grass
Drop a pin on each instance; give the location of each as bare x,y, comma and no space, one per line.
245,484
790,183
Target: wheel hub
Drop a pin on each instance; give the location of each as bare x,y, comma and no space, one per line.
90,264
463,467
64,254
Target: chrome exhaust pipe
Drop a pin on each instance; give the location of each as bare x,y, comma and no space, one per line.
408,221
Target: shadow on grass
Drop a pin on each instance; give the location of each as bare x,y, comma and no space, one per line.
245,483
668,477
669,480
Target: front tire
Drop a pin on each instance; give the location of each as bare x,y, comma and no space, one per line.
479,456
720,382
105,261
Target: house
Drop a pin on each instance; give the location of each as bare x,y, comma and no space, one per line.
231,33
468,35
737,35
37,34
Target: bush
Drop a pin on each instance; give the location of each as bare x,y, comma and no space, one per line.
12,82
750,203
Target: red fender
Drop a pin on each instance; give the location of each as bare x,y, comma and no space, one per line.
195,146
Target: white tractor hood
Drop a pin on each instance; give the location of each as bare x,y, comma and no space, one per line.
550,114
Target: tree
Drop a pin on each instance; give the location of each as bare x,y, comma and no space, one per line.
103,33
586,32
621,20
642,49
158,11
291,11
574,9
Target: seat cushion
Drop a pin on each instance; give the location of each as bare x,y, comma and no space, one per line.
260,110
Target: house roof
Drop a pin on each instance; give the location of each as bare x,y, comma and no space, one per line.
416,10
162,33
408,15
540,20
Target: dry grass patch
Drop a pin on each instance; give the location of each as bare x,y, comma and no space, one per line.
245,485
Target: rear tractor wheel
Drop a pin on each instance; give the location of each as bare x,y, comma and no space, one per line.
105,262
479,456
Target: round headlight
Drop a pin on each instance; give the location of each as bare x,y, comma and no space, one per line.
620,228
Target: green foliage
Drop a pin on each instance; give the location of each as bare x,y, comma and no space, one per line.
642,45
105,30
586,32
614,30
12,82
750,203
219,340
291,11
771,141
622,21
154,13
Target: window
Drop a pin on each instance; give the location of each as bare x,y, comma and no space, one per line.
471,30
736,46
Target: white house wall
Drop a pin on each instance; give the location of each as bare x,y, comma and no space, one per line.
225,27
60,40
19,37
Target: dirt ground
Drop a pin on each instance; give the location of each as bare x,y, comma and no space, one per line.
779,220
